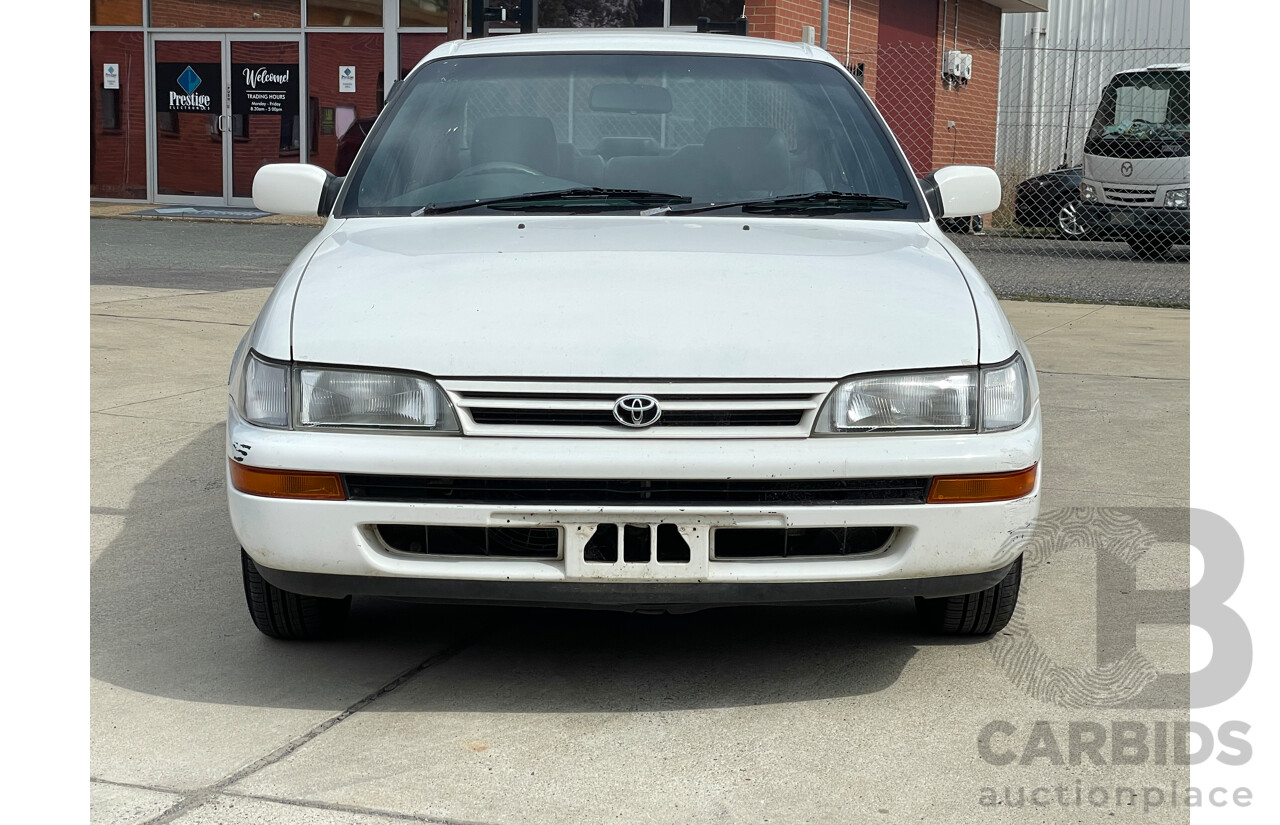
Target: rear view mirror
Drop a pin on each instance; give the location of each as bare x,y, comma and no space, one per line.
633,98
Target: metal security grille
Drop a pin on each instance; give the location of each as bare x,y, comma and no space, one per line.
1030,111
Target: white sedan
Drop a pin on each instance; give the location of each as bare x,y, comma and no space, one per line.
631,320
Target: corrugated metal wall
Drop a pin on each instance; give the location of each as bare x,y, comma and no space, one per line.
1054,64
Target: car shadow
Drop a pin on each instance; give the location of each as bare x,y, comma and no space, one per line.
168,619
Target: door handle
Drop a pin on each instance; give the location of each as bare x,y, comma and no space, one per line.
224,123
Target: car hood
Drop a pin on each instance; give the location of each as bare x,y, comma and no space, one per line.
633,297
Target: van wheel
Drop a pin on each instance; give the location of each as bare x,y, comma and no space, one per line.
284,615
973,614
1069,225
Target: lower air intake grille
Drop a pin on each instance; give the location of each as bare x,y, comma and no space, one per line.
810,542
593,492
506,542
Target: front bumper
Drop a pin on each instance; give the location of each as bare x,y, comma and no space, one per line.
333,548
1142,222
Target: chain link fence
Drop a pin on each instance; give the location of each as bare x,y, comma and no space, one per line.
1092,145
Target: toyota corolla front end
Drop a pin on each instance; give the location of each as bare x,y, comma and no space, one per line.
576,334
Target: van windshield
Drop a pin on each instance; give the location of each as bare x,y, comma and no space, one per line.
700,128
1143,115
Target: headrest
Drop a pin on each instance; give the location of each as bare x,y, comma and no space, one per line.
747,159
528,141
612,147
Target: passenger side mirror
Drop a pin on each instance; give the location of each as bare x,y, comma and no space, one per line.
295,189
963,191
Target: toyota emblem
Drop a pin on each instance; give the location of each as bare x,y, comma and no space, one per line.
1126,168
636,410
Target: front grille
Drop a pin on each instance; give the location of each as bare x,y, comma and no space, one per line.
722,409
1136,196
666,492
604,418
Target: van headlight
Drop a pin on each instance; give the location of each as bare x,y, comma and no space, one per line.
278,395
1178,198
957,400
1088,193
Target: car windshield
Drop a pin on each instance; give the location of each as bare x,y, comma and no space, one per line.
626,132
1143,114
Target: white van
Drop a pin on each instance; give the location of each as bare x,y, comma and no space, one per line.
1137,160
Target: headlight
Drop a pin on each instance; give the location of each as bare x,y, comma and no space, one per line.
963,400
278,394
1178,198
943,400
356,398
266,392
1088,193
1006,401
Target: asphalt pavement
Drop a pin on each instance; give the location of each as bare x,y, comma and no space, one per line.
487,715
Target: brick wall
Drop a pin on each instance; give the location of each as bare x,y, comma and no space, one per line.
971,107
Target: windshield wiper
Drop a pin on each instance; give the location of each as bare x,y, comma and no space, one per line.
822,203
577,198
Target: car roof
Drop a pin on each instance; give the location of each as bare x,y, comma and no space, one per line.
654,41
1159,67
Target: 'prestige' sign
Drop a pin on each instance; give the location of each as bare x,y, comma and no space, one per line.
189,87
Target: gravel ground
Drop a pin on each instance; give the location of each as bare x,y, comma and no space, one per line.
1102,272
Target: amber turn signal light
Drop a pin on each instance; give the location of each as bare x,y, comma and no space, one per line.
982,487
256,481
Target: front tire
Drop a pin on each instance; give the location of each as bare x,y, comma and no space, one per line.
284,615
1068,221
973,614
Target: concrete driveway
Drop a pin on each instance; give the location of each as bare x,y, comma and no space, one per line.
459,715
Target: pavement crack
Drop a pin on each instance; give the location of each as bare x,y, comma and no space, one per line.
137,786
198,797
1114,375
177,320
353,809
110,410
1063,324
180,293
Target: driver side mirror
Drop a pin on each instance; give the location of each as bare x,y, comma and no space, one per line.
295,189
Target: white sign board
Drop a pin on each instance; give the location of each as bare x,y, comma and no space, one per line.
346,78
111,75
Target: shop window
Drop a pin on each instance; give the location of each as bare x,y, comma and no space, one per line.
594,14
434,13
111,109
115,12
344,12
227,14
687,12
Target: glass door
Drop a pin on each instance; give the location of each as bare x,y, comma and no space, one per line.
224,106
266,111
189,113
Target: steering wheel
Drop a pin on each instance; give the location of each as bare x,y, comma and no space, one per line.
497,166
